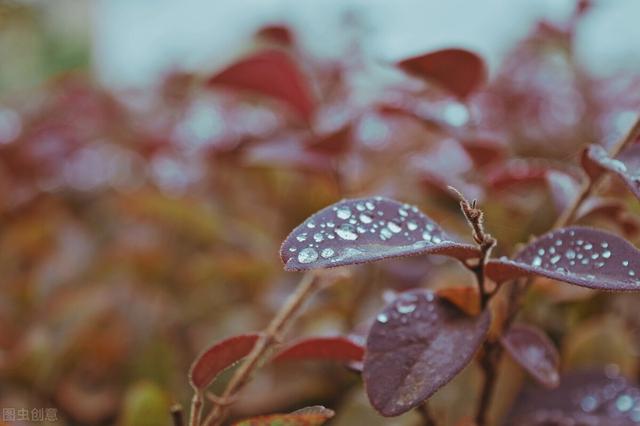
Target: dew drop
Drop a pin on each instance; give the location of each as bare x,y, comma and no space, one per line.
343,213
394,227
365,218
624,403
412,226
369,205
346,232
537,261
318,237
406,309
385,234
625,263
383,318
302,237
403,212
554,259
570,254
606,254
307,255
327,253
589,403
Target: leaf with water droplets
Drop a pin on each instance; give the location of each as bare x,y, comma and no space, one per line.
596,161
218,357
309,416
339,349
534,351
365,230
584,398
271,73
577,255
459,71
417,344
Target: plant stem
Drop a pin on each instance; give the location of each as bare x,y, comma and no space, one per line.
269,338
196,409
427,417
176,415
489,363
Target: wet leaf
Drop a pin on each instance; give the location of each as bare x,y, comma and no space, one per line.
466,298
596,161
459,71
585,398
218,357
577,255
309,416
271,73
417,344
322,348
365,230
534,351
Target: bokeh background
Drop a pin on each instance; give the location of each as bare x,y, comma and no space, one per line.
142,209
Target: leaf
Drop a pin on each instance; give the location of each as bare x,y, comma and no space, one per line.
417,344
309,416
365,230
534,351
218,357
465,298
459,71
270,73
322,348
596,161
585,398
576,255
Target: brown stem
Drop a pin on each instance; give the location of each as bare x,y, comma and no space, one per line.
269,338
427,417
489,364
177,415
196,409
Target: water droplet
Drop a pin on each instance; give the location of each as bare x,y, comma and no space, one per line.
365,218
360,207
412,225
343,213
436,240
541,252
589,403
346,232
588,246
293,249
537,261
307,255
394,227
625,263
403,212
606,254
326,253
405,309
554,259
383,318
330,224
385,234
369,205
318,237
426,236
311,225
302,237
624,403
570,254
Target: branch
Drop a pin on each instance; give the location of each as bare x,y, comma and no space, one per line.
269,338
176,415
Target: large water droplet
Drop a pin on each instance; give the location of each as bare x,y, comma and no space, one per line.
624,403
307,255
365,218
327,252
394,227
343,213
318,237
383,318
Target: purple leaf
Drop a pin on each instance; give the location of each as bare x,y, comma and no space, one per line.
534,351
577,255
585,398
417,344
596,161
364,230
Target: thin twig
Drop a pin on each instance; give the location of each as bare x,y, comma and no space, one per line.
265,343
177,415
196,409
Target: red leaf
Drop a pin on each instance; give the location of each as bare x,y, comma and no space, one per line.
585,398
596,161
466,298
271,73
417,344
459,71
534,351
364,230
577,255
279,34
322,348
309,416
218,357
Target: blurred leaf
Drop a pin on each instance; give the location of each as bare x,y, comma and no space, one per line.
321,348
310,416
534,351
145,404
465,298
596,161
459,71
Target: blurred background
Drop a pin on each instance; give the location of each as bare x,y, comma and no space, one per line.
142,204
